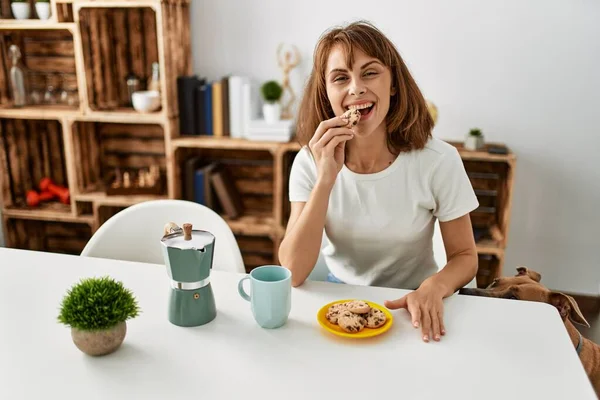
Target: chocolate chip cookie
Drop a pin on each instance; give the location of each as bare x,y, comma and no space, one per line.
353,117
350,322
375,318
358,307
334,312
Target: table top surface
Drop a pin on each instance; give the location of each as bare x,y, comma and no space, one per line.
495,348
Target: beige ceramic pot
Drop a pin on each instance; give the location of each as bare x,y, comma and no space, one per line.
99,343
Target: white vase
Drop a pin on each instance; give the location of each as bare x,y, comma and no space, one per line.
272,112
42,10
20,10
474,142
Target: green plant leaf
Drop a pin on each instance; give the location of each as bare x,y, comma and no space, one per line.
97,303
271,91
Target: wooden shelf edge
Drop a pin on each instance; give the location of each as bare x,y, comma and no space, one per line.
124,116
211,142
42,112
102,199
9,24
251,225
489,247
45,215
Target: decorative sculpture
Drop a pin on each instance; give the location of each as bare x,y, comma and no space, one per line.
288,62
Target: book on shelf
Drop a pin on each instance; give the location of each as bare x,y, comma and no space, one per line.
229,106
209,183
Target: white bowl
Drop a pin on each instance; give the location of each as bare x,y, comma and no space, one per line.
146,100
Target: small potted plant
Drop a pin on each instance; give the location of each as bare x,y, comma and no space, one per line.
42,8
474,140
97,309
20,9
271,92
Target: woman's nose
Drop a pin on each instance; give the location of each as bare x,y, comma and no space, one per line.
357,88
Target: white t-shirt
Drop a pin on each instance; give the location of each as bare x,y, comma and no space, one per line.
379,226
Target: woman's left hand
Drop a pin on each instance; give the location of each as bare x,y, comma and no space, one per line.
426,309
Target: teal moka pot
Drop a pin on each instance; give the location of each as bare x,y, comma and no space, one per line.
188,256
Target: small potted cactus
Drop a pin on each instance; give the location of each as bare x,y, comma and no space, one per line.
271,92
42,8
474,140
97,309
20,9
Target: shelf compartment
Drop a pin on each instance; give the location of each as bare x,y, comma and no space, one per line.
49,61
256,251
491,181
101,148
32,150
107,212
50,236
64,12
490,268
252,175
115,43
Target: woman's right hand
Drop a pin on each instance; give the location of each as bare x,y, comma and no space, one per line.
328,146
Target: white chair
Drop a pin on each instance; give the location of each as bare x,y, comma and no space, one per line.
134,234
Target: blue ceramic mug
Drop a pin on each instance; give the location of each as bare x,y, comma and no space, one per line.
270,295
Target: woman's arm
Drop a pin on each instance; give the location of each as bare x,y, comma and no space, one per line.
425,304
300,247
461,253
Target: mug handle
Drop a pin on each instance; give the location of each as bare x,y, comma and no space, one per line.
241,288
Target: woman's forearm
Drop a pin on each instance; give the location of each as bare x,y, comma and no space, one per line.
300,248
460,270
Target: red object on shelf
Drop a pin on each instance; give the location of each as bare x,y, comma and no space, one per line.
61,192
34,198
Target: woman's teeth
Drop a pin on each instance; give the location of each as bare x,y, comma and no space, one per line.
360,106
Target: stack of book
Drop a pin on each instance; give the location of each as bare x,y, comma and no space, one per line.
229,106
209,183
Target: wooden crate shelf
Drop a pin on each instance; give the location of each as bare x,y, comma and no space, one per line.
256,250
33,149
115,43
48,57
51,236
101,148
123,38
91,46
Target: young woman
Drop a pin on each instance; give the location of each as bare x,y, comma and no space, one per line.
376,189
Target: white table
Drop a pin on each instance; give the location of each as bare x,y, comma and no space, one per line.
494,349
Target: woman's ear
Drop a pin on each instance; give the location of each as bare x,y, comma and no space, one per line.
393,90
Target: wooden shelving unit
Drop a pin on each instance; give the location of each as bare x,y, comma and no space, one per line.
89,46
93,45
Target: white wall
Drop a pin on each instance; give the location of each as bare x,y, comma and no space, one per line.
526,72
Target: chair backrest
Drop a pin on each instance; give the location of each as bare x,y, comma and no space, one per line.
134,233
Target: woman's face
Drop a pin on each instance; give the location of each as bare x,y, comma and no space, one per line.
366,86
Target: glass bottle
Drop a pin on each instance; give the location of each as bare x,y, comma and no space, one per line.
17,79
154,82
133,85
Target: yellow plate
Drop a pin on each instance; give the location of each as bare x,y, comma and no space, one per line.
365,333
